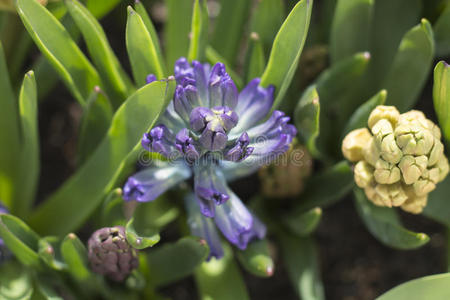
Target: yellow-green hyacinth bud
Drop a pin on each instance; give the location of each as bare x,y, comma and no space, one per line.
354,143
401,161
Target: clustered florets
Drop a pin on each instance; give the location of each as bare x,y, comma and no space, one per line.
400,160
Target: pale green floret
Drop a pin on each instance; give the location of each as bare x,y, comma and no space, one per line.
389,113
386,173
363,174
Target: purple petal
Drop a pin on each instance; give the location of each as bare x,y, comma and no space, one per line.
185,144
160,139
150,78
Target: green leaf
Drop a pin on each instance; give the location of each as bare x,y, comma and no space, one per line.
49,253
47,290
211,277
266,19
158,213
256,258
428,287
441,29
29,164
302,223
307,119
56,44
140,9
176,29
15,282
146,237
199,31
101,8
255,60
94,124
301,262
171,262
213,57
228,27
10,137
116,81
384,224
286,50
338,180
350,30
441,97
83,192
142,50
361,115
410,67
20,239
75,256
438,206
112,211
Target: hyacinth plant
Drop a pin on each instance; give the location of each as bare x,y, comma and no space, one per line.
163,148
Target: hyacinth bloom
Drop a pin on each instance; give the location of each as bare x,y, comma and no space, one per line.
215,133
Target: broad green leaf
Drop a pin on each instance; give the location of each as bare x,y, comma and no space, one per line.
56,44
158,213
20,239
75,256
171,262
141,49
112,211
410,67
146,237
338,180
300,257
307,119
213,57
211,276
256,258
266,19
441,97
94,124
391,21
29,164
361,115
441,29
83,192
101,8
350,30
176,29
46,77
199,31
50,254
384,224
438,206
15,282
140,9
10,137
255,60
428,287
286,50
302,223
228,26
116,81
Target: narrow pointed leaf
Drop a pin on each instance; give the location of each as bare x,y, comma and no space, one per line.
350,30
211,277
172,262
101,8
112,211
49,253
157,214
301,262
307,119
286,50
228,27
56,44
147,237
410,67
428,287
441,29
361,115
438,206
199,31
141,49
255,61
29,164
256,258
213,57
83,192
94,125
117,83
384,224
75,256
441,97
20,239
302,223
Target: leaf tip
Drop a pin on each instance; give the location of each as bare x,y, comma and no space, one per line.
254,36
423,237
72,236
130,10
366,55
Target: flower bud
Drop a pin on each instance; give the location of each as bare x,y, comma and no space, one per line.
110,254
389,113
354,143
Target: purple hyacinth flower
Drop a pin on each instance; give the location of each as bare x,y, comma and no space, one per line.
240,150
150,78
185,144
159,139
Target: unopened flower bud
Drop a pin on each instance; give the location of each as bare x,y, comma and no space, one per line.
354,143
110,254
389,113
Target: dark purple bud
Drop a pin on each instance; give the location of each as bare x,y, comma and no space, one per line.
213,139
240,151
110,254
222,90
185,144
199,118
159,139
